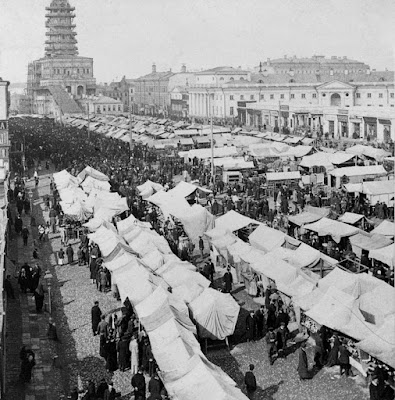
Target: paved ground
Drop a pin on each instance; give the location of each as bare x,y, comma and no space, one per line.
78,350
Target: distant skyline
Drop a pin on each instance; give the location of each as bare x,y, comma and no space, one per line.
124,37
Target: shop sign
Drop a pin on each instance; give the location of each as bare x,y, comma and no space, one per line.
3,125
342,111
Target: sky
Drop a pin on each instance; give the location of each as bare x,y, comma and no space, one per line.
125,37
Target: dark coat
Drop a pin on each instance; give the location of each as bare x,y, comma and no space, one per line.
228,280
303,366
123,353
344,355
250,381
138,382
96,317
154,387
250,326
109,394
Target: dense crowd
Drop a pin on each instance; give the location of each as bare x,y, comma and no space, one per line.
124,344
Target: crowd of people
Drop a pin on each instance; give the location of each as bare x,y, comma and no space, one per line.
123,342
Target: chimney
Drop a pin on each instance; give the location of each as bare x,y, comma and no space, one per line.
183,68
153,68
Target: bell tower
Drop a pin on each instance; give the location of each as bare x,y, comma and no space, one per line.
61,38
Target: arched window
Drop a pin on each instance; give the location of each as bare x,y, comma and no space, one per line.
222,78
241,78
335,100
232,79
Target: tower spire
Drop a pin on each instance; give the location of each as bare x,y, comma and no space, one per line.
60,30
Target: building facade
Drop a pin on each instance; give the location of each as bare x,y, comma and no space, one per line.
4,138
94,105
61,67
151,95
340,104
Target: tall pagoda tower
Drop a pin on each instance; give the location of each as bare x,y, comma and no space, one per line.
61,78
60,30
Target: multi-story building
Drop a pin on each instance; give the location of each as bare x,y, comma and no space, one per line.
314,65
60,78
179,85
122,90
151,94
102,105
345,104
4,138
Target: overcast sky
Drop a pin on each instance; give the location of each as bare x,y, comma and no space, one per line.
125,36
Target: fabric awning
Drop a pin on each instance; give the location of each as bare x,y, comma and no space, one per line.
385,121
370,120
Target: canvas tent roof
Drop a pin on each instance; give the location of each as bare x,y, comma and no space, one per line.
63,179
385,228
233,221
302,256
266,239
351,218
335,229
359,171
368,151
386,255
338,310
148,188
381,344
90,184
215,313
327,160
303,218
106,239
94,173
362,241
282,176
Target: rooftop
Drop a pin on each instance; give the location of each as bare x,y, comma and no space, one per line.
156,76
222,70
106,100
313,60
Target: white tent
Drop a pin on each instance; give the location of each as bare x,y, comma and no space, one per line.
330,227
386,255
148,188
266,239
385,228
92,172
233,221
106,239
215,314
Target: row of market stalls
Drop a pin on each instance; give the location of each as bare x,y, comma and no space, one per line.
171,298
359,306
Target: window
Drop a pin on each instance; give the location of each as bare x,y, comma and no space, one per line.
119,108
314,95
242,97
104,108
232,79
231,111
64,71
242,79
98,109
303,96
262,96
369,95
358,95
114,108
222,78
391,95
252,97
271,96
231,97
292,96
281,96
380,95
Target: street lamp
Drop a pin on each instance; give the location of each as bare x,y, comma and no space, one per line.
48,277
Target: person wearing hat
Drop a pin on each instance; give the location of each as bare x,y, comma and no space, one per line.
138,384
250,382
282,337
344,359
271,340
250,326
228,281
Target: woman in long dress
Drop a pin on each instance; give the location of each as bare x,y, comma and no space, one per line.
134,354
334,352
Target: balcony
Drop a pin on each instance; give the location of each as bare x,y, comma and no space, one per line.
53,24
64,14
61,32
49,8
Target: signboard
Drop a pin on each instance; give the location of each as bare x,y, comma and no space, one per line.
342,111
284,108
3,124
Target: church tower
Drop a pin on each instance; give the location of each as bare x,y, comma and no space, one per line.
60,30
61,79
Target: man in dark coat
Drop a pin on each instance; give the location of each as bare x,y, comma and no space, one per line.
228,281
344,359
303,365
109,393
102,387
271,340
138,384
70,254
18,224
250,326
123,353
96,317
154,388
282,337
260,321
250,382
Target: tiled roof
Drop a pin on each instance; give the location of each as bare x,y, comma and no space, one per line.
312,60
66,104
106,100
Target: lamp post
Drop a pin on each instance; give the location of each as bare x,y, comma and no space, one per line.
48,277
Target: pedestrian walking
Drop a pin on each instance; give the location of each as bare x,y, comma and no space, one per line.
303,365
201,246
70,254
96,317
61,256
138,384
250,382
25,235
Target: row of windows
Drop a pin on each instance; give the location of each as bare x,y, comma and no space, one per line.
292,96
108,108
69,71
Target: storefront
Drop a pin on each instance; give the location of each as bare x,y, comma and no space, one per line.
356,127
343,125
385,127
370,128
